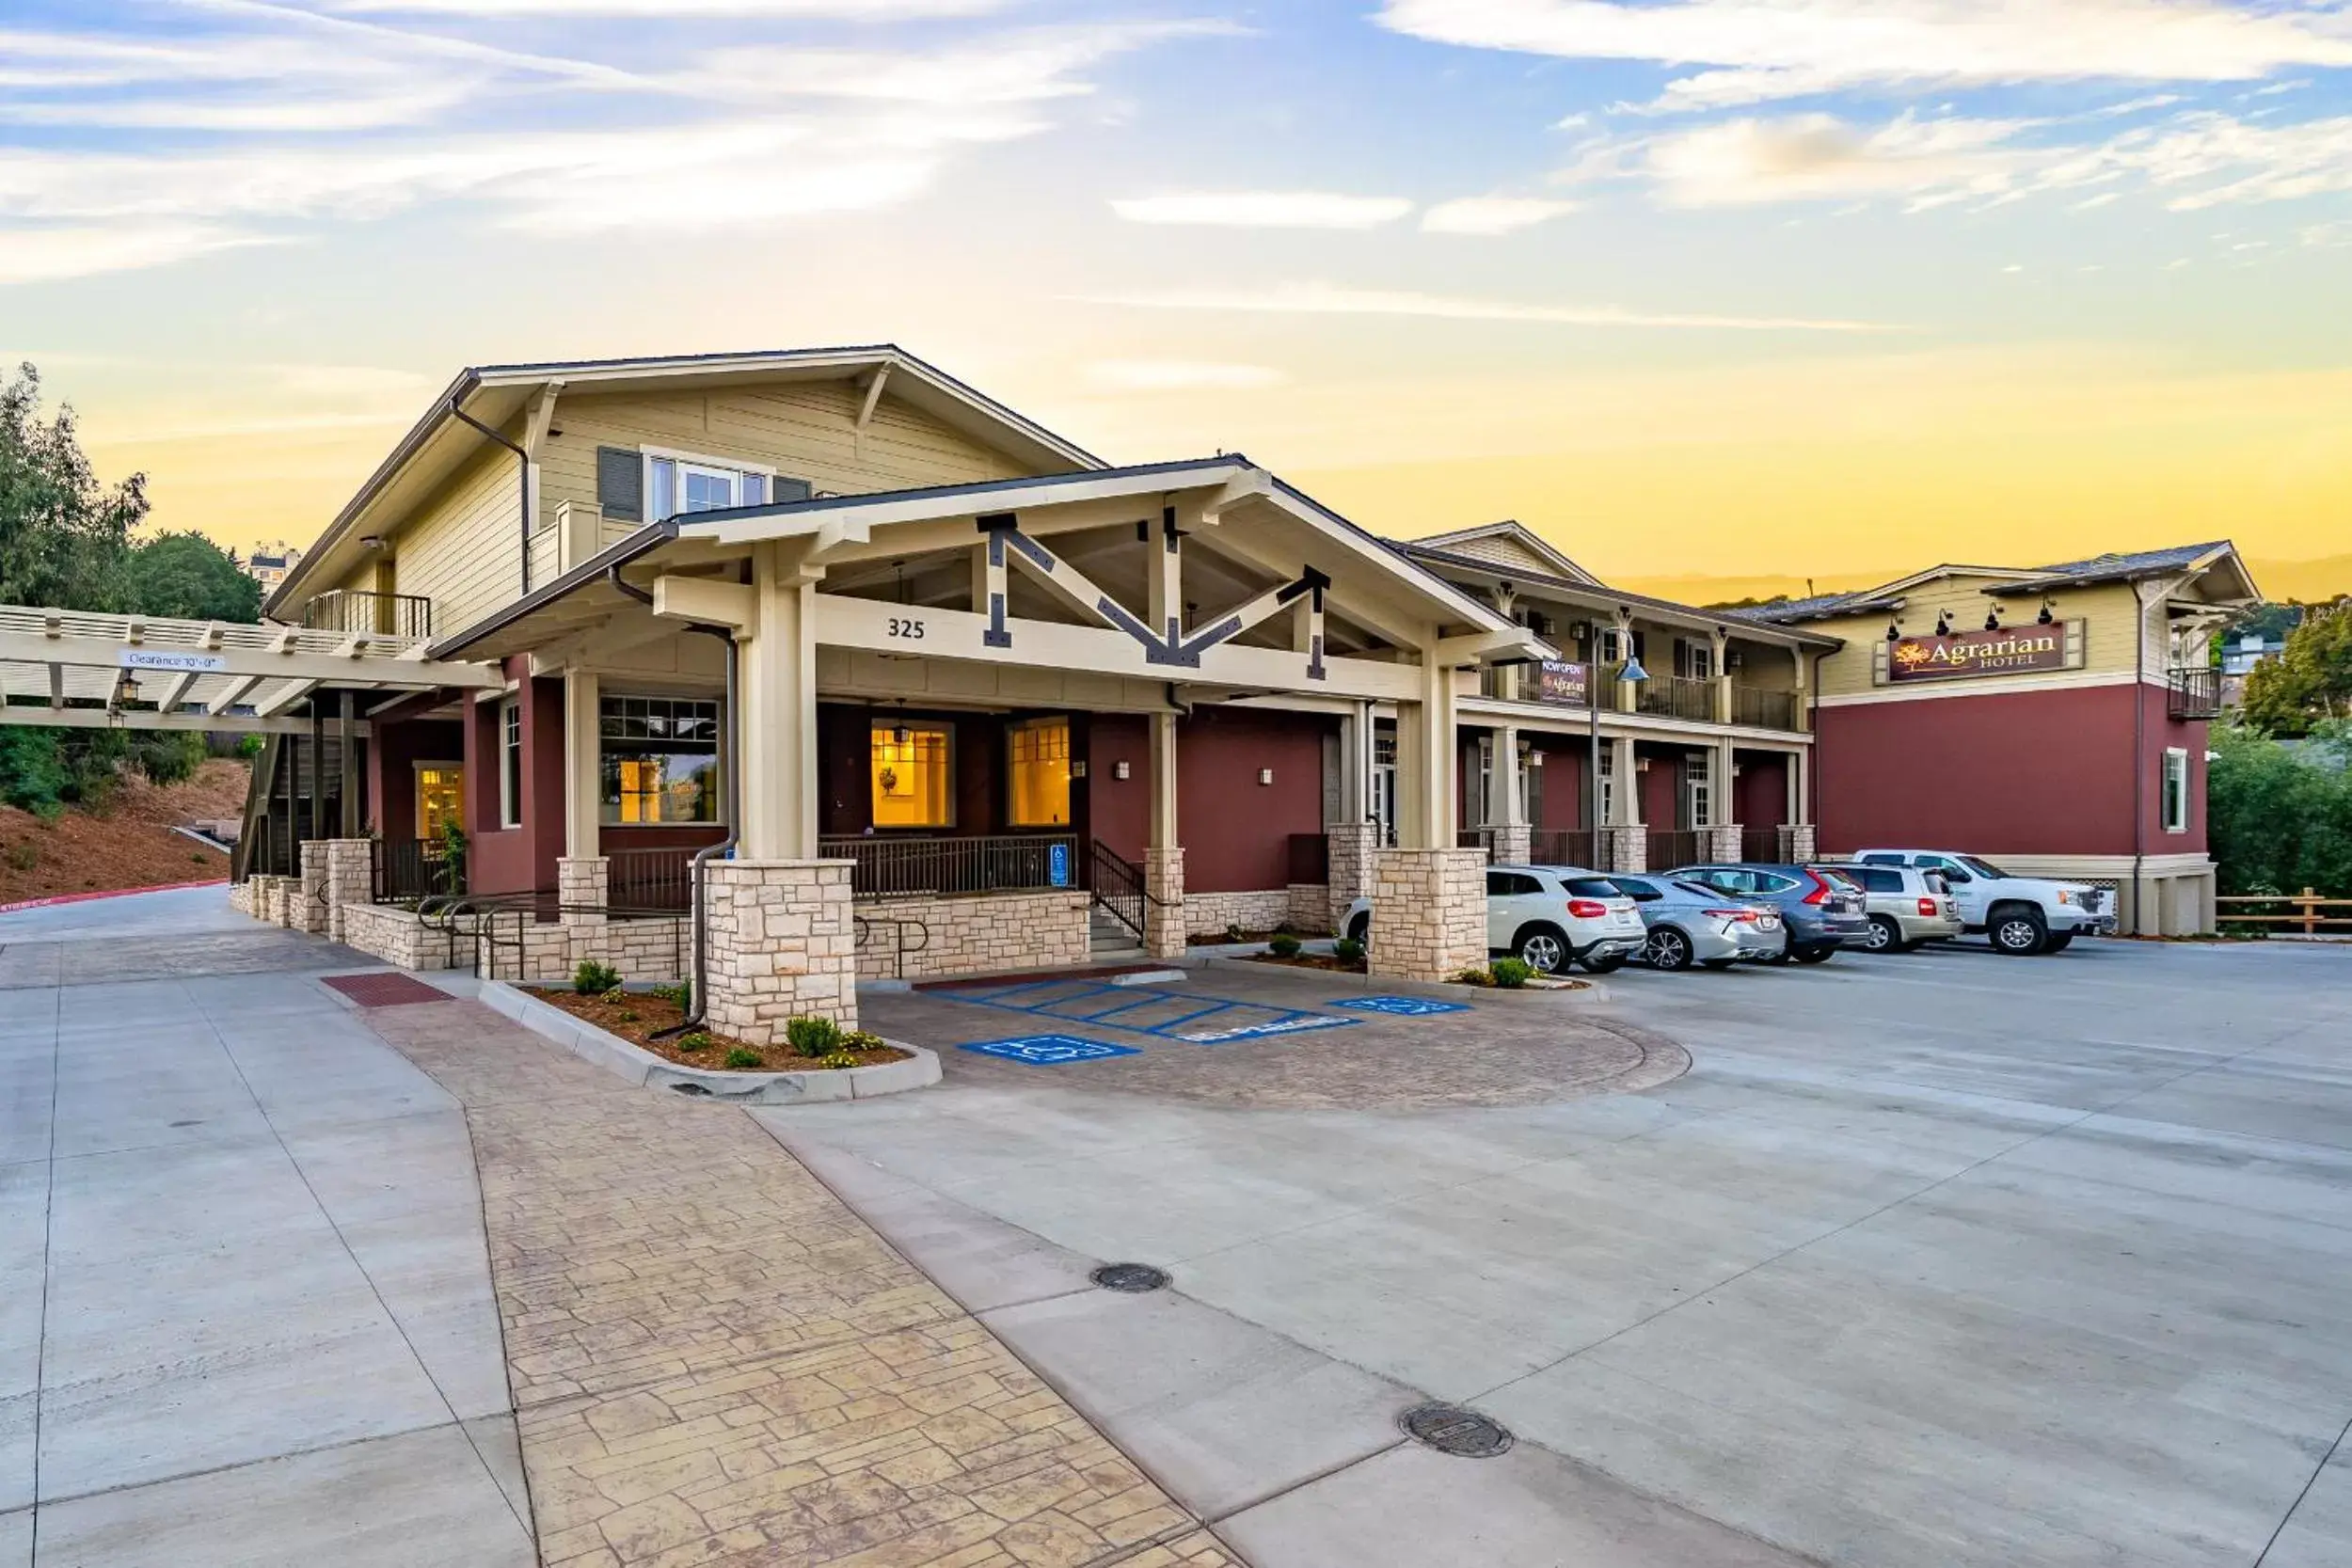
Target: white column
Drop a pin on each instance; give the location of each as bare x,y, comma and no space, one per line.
1164,929
778,677
582,781
1355,764
1425,741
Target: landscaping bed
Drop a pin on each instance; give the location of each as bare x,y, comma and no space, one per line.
638,1016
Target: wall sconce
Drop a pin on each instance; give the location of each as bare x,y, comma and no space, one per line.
1893,632
1266,775
1118,768
1992,619
1078,768
2045,617
1641,764
1734,659
1581,630
1943,624
1534,759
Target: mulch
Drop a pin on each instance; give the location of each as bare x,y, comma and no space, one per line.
638,1017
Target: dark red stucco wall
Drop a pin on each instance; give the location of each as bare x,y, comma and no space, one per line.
1761,796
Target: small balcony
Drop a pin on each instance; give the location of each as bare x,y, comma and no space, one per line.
406,616
1678,697
1761,709
2193,692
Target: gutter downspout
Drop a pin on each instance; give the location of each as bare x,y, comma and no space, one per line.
522,474
2139,751
730,787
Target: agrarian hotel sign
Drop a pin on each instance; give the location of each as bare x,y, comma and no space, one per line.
2022,650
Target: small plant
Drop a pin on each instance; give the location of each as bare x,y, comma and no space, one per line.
1348,950
1234,933
694,1042
863,1039
1473,976
1511,973
626,1015
742,1057
593,979
813,1036
1283,945
837,1059
675,995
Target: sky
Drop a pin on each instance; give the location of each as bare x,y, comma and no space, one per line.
1719,296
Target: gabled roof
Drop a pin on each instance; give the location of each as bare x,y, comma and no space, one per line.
1667,610
2123,567
496,393
1506,543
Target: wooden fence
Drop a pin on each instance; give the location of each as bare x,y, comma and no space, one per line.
2306,909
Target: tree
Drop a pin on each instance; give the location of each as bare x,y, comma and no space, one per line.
187,574
2311,680
2280,818
60,533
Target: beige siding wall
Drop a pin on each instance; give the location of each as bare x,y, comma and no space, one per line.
461,548
2107,611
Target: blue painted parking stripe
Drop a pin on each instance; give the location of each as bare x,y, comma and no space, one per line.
1227,1019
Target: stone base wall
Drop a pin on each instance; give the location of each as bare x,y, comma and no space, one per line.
987,933
1164,918
580,888
241,896
1805,842
1350,848
1428,912
782,946
1310,909
350,880
1511,846
307,909
1207,914
1722,842
395,935
660,949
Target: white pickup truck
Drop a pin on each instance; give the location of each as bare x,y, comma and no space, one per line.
2021,915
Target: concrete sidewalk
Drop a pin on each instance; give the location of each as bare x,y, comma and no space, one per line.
245,1313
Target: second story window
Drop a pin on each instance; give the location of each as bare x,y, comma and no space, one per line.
681,485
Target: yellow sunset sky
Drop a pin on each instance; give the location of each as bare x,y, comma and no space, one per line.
1716,317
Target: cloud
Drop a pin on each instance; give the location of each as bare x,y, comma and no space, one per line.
1180,376
1325,299
846,10
40,254
1491,215
1769,49
1264,209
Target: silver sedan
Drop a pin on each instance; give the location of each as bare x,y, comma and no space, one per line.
1693,924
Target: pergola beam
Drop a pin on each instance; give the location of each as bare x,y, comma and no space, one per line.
283,698
41,716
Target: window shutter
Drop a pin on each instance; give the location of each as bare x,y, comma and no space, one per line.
621,483
782,491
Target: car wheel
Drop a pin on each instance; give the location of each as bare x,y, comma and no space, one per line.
1668,949
1543,949
1609,965
1885,936
1359,928
2058,942
2020,933
1815,955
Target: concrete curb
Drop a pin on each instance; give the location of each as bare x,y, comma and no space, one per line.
643,1067
1439,991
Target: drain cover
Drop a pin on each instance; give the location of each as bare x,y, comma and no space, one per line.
1451,1429
1134,1279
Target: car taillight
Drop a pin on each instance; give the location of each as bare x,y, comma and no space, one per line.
1746,917
1927,906
1820,890
1587,908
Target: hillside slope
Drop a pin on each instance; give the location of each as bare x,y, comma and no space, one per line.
129,844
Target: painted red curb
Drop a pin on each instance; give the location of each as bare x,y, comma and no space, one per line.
107,893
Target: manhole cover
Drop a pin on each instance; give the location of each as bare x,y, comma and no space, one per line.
1451,1429
1134,1279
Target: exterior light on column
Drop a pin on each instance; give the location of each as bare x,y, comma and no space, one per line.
1118,768
1266,775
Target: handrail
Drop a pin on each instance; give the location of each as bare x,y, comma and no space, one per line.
1121,887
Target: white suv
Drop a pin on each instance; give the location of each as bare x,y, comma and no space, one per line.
1548,916
2022,915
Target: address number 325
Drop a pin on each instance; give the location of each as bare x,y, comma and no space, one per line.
911,631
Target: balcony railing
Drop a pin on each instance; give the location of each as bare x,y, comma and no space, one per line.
408,869
1768,846
2196,693
915,868
1671,848
649,881
349,610
1678,697
1762,709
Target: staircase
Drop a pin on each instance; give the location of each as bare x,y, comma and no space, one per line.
1109,940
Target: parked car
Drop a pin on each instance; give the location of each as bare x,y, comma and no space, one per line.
1548,916
1693,924
2022,915
1907,907
1818,915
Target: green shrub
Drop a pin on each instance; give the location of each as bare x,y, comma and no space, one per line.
675,995
1234,933
626,1015
1283,946
1348,950
743,1056
1473,976
593,979
813,1036
694,1042
837,1059
863,1039
1511,973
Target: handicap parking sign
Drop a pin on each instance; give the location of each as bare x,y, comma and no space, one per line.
1048,1050
1402,1006
1058,865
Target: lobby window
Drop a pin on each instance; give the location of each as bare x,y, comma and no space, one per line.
910,775
1037,751
657,760
511,764
2175,796
440,799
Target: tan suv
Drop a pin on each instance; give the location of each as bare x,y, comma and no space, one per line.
1907,907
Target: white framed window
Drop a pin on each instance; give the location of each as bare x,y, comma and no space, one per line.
1698,789
679,481
1607,795
511,764
657,760
2174,800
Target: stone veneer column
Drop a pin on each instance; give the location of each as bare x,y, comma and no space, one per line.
308,912
1428,912
580,884
1164,910
1628,846
1725,843
1350,848
1804,842
782,945
1512,844
350,879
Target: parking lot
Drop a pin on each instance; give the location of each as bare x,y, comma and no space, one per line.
1947,1257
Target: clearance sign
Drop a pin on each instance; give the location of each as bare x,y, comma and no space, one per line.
2024,651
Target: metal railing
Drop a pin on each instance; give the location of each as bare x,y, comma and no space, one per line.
1567,846
357,610
650,882
406,870
1118,886
1760,708
1768,846
911,867
1311,859
1475,838
1678,697
2195,692
1671,846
